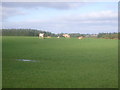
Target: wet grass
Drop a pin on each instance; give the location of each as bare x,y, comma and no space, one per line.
63,63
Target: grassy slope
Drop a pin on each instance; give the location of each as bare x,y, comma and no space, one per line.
62,63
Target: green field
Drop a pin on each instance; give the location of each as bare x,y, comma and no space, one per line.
59,63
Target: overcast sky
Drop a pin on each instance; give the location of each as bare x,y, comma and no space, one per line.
84,17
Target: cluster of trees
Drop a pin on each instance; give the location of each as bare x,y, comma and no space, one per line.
108,35
32,32
25,32
77,35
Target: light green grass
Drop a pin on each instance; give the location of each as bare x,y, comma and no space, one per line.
62,63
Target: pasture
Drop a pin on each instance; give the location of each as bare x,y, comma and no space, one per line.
59,63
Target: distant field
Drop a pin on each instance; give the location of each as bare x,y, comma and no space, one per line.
59,63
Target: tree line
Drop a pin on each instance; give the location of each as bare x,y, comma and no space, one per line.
109,35
25,32
33,32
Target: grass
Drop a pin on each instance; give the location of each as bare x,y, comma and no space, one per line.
0,62
60,63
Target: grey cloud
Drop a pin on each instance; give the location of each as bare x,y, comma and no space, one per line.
93,18
95,22
13,8
103,17
61,25
8,12
105,20
56,5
